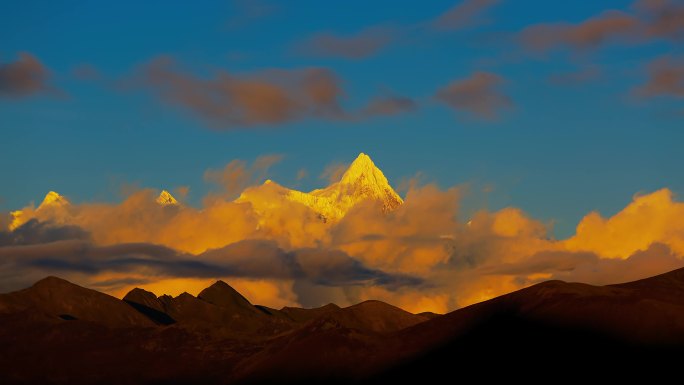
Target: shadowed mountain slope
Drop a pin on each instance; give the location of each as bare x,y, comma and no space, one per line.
55,298
549,331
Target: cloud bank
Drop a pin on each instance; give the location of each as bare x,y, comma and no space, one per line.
269,97
419,256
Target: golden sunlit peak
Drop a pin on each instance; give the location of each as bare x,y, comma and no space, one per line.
362,181
363,170
166,199
54,199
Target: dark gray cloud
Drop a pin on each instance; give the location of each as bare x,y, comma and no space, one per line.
589,268
23,77
40,249
35,232
478,95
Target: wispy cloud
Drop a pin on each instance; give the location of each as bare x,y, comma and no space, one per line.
479,95
646,21
271,98
24,77
591,33
231,101
665,78
363,44
464,14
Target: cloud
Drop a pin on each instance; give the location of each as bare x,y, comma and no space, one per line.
24,77
590,33
463,14
650,218
372,40
589,268
392,105
648,20
228,101
255,260
140,219
361,45
302,174
409,239
334,171
246,12
662,18
35,232
581,76
478,95
237,175
267,98
421,256
665,78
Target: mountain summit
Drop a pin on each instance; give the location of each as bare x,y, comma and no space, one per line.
54,199
362,181
52,202
166,199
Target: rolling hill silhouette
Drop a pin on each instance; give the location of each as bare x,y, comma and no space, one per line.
58,332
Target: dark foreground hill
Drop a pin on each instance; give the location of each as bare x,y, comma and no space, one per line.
58,332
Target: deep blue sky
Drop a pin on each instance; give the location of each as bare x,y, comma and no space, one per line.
559,152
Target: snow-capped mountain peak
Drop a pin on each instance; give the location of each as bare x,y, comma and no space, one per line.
362,181
53,199
166,199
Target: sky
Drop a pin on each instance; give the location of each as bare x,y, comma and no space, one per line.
555,109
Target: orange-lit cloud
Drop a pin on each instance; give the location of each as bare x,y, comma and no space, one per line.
419,255
237,175
333,172
648,219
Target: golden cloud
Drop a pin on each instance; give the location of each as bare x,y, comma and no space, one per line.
419,256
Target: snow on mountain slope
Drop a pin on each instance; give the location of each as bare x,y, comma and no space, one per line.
52,201
166,199
362,181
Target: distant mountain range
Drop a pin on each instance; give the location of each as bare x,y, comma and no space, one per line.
58,332
361,181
